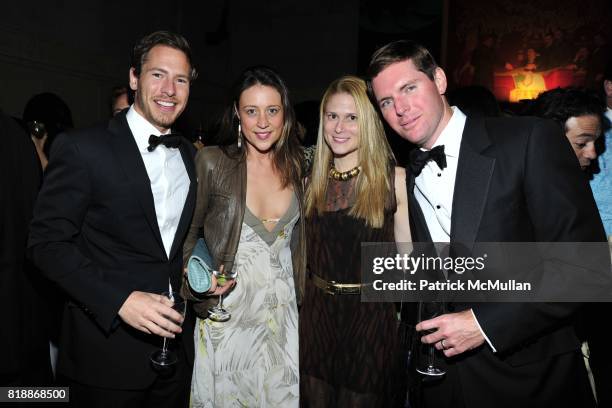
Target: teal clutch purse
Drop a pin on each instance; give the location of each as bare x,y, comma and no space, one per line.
199,268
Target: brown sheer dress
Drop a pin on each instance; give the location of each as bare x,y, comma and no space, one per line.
349,350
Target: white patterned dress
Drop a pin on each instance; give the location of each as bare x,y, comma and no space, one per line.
252,359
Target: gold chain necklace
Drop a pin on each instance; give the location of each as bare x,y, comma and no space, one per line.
345,175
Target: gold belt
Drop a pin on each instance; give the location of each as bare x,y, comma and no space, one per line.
334,288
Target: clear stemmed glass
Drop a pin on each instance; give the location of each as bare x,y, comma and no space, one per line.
164,357
218,313
426,357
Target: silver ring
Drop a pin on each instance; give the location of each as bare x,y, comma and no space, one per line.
442,344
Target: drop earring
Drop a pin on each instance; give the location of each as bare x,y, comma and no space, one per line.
239,136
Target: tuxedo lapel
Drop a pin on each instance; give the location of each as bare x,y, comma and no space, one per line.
126,150
418,224
474,172
185,221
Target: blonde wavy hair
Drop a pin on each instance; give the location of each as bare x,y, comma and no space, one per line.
375,180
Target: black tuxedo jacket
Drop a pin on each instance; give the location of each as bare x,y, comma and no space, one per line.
517,180
95,234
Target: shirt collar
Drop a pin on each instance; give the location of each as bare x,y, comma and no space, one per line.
141,128
452,133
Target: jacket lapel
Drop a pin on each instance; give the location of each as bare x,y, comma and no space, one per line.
474,172
418,224
126,150
185,221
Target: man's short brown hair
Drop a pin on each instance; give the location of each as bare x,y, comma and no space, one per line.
167,38
399,51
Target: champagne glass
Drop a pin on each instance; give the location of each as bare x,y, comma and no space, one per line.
218,313
426,356
164,357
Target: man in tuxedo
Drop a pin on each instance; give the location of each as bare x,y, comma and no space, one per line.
489,180
108,228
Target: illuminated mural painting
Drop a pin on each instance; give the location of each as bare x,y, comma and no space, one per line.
519,84
519,49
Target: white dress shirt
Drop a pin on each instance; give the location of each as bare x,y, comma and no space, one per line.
167,174
434,187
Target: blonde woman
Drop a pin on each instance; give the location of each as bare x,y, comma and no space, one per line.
348,349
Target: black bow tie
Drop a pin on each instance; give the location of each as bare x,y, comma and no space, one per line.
419,158
169,140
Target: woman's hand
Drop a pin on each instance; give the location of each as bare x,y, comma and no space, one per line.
215,289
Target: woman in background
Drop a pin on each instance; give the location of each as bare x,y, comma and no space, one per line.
249,196
349,350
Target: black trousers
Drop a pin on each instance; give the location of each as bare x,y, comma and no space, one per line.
171,389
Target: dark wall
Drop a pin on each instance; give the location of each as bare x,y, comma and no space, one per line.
79,50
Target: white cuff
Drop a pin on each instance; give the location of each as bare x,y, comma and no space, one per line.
482,332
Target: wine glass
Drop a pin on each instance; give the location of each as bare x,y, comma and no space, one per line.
426,356
164,357
218,313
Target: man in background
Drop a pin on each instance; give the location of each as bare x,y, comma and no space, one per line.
121,98
24,337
